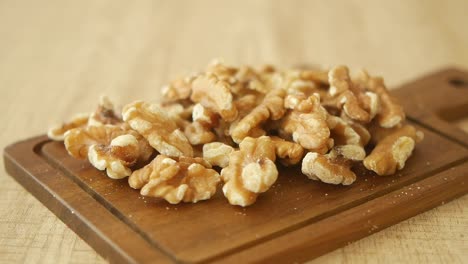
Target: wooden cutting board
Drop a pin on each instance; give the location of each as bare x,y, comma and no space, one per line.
298,219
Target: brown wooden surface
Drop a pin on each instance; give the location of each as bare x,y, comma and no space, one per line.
295,221
57,57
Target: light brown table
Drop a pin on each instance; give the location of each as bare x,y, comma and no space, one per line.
56,58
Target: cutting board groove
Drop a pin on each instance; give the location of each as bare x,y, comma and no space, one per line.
296,220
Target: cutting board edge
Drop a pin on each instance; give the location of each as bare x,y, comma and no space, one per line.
14,158
100,240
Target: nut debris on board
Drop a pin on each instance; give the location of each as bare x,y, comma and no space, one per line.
241,121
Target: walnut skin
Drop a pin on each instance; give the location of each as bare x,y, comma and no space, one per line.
105,114
122,153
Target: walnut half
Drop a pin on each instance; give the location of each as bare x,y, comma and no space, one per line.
158,128
251,171
176,179
58,132
217,153
327,168
215,95
392,151
116,158
307,122
108,147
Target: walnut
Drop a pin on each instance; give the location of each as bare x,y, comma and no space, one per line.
204,116
341,132
316,76
58,132
348,97
327,168
271,108
289,153
178,89
308,128
176,110
363,133
390,113
116,158
179,113
371,103
296,81
108,147
176,180
215,95
347,141
392,151
217,153
302,86
144,147
105,114
339,80
221,70
190,160
246,103
304,103
248,78
267,68
158,128
78,140
197,133
379,133
251,171
222,133
352,107
276,80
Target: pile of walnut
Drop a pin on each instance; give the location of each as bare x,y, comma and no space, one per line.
243,120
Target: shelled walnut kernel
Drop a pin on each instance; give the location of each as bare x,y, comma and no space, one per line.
176,180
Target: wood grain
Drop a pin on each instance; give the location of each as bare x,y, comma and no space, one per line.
56,58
